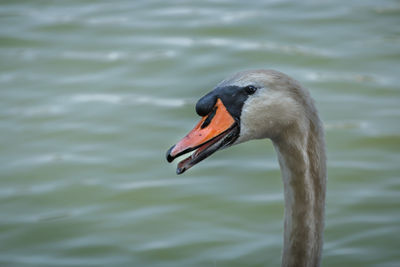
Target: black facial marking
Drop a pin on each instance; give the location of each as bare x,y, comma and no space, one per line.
233,97
205,105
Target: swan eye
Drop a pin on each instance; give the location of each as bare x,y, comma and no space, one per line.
250,89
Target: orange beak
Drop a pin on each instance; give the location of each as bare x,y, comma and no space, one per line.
207,137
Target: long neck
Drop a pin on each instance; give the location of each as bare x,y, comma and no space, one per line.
302,160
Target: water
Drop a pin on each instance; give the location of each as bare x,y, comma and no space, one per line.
94,92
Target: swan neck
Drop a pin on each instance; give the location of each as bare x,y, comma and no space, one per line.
302,161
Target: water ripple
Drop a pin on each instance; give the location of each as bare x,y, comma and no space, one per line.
128,99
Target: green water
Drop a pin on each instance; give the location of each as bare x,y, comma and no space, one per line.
92,94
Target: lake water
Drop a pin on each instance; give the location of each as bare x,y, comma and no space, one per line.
93,93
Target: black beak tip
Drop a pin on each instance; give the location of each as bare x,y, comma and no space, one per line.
168,155
180,170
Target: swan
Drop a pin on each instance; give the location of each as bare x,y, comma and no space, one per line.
259,104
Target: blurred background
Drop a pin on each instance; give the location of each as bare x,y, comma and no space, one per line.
93,93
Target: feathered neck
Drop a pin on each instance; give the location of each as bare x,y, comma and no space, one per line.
302,161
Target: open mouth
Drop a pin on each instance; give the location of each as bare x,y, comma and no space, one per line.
205,150
214,132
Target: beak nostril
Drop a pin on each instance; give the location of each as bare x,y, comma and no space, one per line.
209,118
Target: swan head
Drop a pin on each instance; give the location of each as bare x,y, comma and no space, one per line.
248,105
